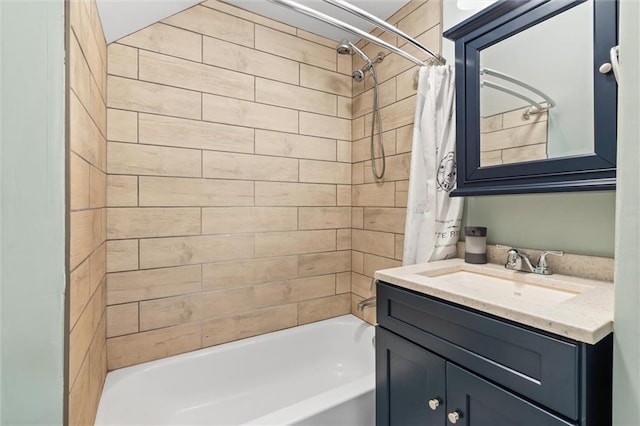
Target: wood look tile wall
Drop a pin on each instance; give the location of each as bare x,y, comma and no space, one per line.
229,183
239,189
87,62
379,207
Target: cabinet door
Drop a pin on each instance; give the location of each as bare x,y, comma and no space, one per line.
408,380
478,402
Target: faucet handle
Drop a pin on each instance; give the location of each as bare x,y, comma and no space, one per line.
542,263
514,259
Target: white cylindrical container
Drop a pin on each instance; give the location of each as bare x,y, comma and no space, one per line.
475,244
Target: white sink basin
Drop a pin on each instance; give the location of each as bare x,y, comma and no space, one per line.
576,308
478,284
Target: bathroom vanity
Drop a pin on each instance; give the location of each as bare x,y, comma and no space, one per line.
480,345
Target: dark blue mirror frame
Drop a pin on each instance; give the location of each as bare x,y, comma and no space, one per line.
590,172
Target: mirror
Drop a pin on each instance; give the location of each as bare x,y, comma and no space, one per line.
538,104
534,113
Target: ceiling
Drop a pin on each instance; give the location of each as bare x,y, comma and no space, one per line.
123,17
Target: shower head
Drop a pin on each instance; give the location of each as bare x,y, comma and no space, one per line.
344,47
358,75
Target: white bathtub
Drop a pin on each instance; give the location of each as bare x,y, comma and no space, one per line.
315,374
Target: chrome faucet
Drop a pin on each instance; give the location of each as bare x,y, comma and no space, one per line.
518,260
370,301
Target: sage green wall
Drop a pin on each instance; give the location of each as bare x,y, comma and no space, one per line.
32,167
578,222
626,362
1,120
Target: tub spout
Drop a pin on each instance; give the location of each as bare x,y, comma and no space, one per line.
366,303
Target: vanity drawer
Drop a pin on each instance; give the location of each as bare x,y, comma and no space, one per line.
535,365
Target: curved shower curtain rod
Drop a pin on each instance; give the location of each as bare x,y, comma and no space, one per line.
511,79
357,31
534,108
383,25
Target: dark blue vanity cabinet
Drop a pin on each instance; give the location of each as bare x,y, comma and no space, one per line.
438,363
409,378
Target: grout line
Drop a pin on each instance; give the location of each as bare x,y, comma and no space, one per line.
253,33
253,134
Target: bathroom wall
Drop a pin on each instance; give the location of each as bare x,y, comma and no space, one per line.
379,207
87,201
32,212
228,188
626,361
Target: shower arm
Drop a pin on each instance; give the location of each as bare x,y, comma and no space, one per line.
372,19
360,53
344,26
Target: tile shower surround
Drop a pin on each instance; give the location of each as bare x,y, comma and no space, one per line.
239,192
86,94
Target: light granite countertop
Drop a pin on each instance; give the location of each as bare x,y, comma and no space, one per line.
578,308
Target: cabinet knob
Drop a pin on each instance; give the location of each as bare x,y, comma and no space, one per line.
434,403
454,416
605,68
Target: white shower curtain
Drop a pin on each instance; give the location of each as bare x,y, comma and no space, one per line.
433,218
